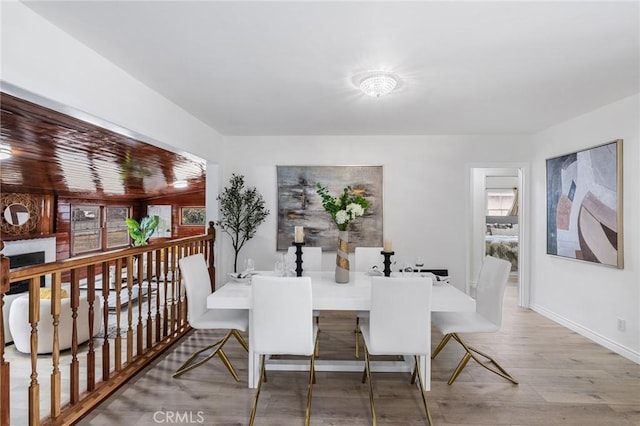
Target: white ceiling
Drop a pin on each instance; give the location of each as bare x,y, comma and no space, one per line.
287,68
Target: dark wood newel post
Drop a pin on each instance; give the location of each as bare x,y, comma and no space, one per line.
212,269
5,383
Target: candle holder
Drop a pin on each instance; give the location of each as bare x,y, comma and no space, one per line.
298,258
387,262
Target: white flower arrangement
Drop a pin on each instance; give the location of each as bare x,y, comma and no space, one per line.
344,209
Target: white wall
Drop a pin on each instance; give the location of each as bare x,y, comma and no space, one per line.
426,187
40,59
586,297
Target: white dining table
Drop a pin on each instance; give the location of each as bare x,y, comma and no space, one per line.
330,296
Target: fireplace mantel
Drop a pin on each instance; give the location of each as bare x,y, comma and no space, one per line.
8,238
46,243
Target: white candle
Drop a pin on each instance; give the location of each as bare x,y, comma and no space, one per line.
387,246
299,234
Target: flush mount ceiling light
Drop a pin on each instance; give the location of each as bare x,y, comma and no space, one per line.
5,151
376,84
180,184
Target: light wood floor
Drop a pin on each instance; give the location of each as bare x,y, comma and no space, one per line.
565,379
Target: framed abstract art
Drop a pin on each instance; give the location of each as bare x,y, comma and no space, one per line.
584,205
300,205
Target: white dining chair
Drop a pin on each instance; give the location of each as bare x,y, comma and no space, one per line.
399,324
282,324
197,282
487,318
365,258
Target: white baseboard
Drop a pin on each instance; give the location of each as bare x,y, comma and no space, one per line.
589,334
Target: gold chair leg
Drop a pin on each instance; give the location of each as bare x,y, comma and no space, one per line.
317,346
316,343
357,331
441,345
312,380
463,362
415,374
240,339
364,372
504,372
255,401
188,365
416,371
228,364
263,377
470,354
194,356
367,367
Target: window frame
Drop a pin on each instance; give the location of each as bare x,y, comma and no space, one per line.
106,227
73,230
503,193
102,230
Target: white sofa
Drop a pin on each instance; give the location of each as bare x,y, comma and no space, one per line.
8,301
21,329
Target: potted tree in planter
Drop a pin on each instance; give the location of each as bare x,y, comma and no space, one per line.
242,211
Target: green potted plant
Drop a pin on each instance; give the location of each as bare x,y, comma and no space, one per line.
242,211
140,232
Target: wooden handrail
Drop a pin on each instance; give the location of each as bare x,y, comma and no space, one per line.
28,272
141,330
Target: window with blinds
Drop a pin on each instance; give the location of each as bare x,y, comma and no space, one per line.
499,201
98,228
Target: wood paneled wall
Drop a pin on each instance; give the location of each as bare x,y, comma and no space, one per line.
55,215
191,199
63,222
43,203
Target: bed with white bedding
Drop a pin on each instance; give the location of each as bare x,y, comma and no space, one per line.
501,239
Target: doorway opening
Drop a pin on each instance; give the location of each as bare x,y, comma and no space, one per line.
498,223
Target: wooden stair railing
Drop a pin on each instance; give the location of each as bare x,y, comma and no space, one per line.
146,279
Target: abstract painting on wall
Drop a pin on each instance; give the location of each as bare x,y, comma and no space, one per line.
584,205
300,205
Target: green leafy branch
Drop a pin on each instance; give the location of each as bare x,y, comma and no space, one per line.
345,208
